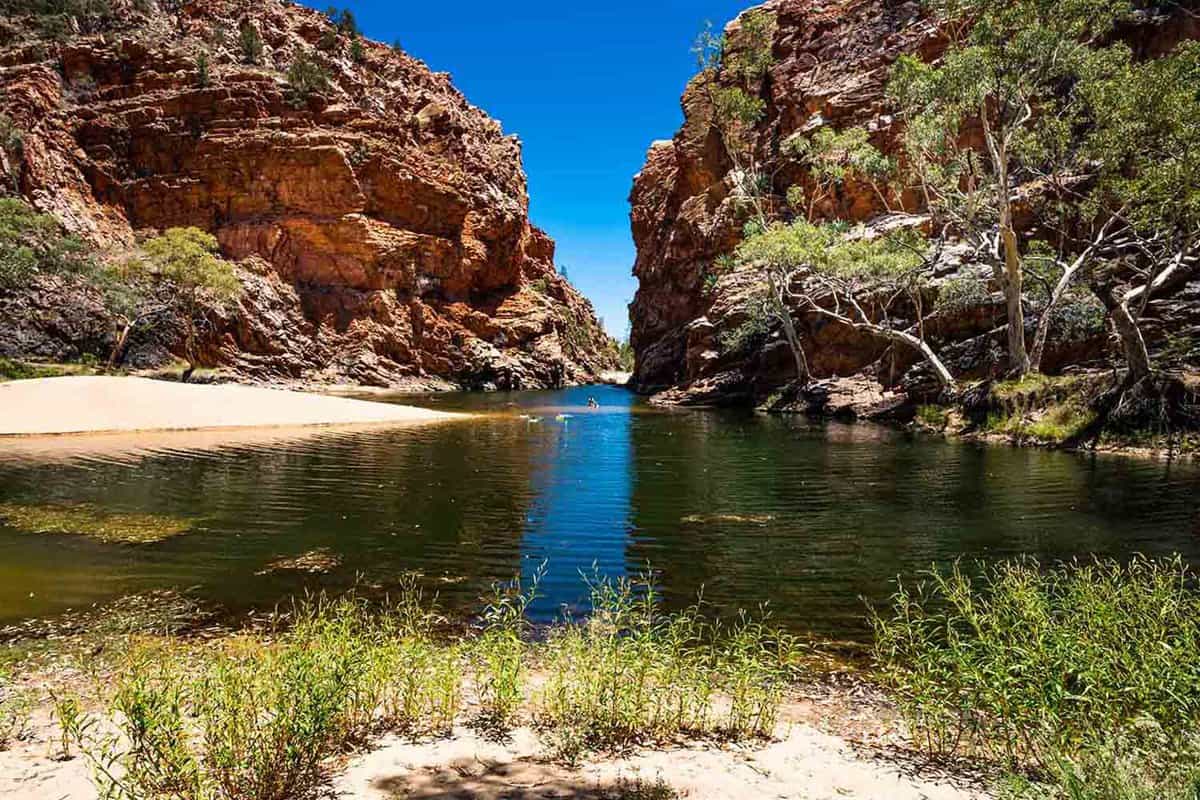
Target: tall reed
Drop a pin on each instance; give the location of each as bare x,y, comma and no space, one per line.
632,672
1049,668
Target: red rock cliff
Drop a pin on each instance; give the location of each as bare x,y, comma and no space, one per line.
381,225
831,59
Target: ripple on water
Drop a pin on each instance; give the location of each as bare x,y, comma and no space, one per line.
749,508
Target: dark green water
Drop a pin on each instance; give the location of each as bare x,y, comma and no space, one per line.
752,508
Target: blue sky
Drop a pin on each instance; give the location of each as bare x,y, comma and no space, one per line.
586,87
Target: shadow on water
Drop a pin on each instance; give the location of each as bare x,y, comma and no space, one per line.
753,508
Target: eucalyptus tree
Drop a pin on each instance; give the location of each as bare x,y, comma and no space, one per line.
977,122
854,277
1147,141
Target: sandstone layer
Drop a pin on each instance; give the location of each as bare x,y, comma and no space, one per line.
831,62
380,224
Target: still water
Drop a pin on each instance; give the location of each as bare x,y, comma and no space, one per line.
816,520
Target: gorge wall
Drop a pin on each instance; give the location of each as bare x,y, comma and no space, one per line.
831,62
380,225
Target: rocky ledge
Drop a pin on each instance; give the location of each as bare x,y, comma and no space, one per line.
380,223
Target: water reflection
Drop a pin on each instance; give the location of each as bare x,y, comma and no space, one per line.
749,507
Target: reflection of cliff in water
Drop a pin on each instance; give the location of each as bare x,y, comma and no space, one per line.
750,507
759,509
382,502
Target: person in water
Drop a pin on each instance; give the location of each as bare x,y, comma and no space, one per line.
592,403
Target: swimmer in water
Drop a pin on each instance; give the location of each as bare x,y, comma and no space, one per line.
592,403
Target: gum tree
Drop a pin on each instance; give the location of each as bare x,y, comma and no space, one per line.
1148,136
851,277
1007,80
182,270
834,158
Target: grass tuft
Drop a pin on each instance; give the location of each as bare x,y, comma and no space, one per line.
1053,669
633,673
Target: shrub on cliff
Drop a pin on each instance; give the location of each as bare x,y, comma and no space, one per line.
251,44
305,77
33,243
56,19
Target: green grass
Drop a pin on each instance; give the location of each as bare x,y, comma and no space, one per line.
1072,671
260,716
935,417
1054,424
632,673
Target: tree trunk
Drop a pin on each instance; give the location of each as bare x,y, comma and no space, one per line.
1018,357
789,329
1132,342
1011,279
190,346
920,345
1133,345
1043,328
118,350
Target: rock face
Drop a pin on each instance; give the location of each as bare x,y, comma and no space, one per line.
831,64
380,225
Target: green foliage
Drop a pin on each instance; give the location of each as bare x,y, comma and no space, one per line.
736,112
828,251
498,653
1139,765
304,78
745,336
251,44
747,54
53,18
261,716
708,48
357,54
961,293
1021,67
181,269
258,720
343,19
935,417
626,357
187,259
202,70
12,144
1032,665
33,244
631,673
833,158
1146,133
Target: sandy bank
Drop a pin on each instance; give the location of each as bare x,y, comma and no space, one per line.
100,404
802,763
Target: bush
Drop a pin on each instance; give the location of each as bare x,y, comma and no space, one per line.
33,243
202,70
258,720
260,717
1040,668
304,78
251,44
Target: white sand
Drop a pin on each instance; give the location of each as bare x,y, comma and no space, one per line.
804,764
96,404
